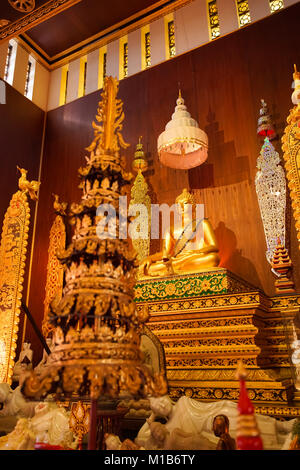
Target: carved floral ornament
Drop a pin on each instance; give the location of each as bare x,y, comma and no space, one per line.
22,5
4,23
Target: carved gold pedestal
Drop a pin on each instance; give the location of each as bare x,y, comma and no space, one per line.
210,320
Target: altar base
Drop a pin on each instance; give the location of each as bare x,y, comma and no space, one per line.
207,322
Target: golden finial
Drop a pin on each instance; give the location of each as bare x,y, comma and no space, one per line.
180,100
241,372
139,161
110,115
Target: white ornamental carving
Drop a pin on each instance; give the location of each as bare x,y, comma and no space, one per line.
271,193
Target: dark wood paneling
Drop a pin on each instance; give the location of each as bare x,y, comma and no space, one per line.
21,124
83,20
222,84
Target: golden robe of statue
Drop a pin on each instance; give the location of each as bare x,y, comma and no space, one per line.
176,256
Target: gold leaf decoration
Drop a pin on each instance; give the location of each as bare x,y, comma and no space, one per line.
55,272
108,138
13,251
291,153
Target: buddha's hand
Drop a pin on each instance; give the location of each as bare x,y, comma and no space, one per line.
145,265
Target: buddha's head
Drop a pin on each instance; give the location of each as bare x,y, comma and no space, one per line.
161,406
185,198
186,204
220,425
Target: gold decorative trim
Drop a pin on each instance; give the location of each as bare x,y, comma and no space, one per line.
139,195
280,411
216,303
260,376
13,251
291,154
193,140
221,392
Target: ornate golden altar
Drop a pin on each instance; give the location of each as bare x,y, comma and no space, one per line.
207,322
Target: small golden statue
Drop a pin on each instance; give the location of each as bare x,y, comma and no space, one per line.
176,256
26,186
59,207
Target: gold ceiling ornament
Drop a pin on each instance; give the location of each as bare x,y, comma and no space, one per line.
13,251
22,5
55,271
139,196
291,151
96,351
35,17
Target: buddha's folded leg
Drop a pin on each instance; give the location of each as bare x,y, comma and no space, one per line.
195,262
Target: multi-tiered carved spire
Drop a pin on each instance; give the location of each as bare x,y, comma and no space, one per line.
97,328
282,265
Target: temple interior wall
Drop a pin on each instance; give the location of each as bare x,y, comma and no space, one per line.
222,83
192,29
22,125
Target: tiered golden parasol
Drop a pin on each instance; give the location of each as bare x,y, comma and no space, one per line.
96,335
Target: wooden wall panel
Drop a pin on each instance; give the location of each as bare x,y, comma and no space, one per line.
222,84
21,124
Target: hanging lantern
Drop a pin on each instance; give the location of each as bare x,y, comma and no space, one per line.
182,145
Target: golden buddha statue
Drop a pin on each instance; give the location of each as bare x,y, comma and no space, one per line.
183,250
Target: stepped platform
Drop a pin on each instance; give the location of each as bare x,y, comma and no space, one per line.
207,322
